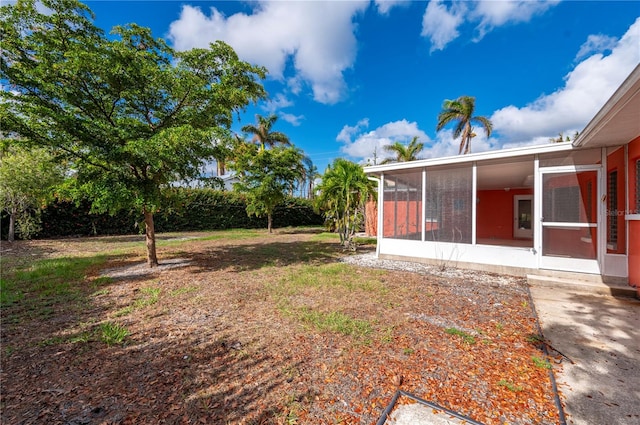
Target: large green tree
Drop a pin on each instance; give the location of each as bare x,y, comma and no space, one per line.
27,179
404,153
266,176
131,114
461,111
262,133
343,193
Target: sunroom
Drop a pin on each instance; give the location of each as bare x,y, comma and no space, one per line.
518,210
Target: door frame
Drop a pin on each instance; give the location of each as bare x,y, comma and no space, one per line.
517,232
579,265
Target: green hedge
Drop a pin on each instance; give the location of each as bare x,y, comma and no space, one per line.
194,209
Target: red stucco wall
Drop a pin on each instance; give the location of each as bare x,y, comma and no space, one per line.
634,225
494,213
615,162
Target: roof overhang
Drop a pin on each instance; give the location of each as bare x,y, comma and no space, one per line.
474,157
618,122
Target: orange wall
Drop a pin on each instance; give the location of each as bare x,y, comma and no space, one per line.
634,225
615,162
494,213
403,227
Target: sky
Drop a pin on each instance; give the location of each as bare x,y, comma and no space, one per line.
347,78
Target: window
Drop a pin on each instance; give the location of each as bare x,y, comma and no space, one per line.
637,186
612,208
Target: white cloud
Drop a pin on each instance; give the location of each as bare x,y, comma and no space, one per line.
294,120
596,44
347,132
493,14
278,102
384,6
317,36
587,87
446,145
441,23
363,146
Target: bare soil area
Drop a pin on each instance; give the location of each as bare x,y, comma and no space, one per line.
250,328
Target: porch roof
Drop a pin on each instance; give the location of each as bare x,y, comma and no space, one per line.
481,156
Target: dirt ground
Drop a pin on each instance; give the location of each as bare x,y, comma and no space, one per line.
251,328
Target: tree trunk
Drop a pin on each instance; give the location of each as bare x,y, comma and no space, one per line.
12,225
269,220
150,233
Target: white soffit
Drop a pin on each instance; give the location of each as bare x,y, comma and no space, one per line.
618,122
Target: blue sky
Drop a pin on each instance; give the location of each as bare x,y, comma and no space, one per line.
348,77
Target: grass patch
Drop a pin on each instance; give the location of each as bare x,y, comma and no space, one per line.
534,339
326,236
510,385
181,291
113,333
469,339
231,234
150,297
334,321
541,363
48,278
366,240
335,275
9,294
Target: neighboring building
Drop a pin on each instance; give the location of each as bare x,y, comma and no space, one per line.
570,207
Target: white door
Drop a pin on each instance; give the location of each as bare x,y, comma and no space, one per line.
523,216
569,216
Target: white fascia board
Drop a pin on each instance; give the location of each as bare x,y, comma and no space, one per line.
481,156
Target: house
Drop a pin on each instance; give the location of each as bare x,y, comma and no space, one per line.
571,207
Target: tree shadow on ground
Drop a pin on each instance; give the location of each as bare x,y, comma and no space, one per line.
600,335
243,257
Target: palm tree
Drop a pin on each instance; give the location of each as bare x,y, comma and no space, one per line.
262,132
404,153
461,111
344,191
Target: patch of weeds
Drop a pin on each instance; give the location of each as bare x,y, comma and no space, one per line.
103,291
387,335
82,337
184,290
525,303
469,339
52,341
408,351
124,311
337,275
510,385
151,297
9,350
9,293
113,333
335,322
534,339
499,326
101,281
541,363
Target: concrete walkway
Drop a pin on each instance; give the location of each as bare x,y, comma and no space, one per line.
601,335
